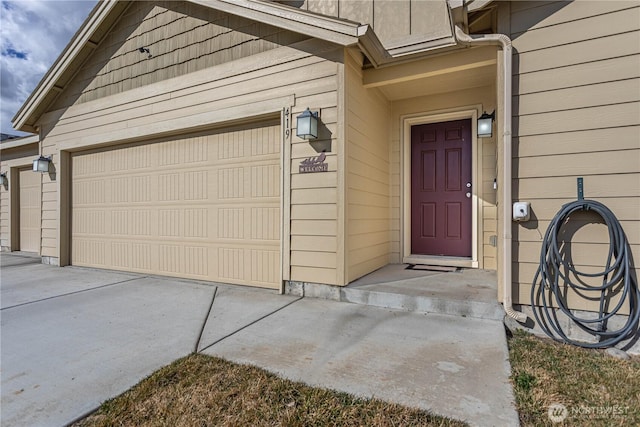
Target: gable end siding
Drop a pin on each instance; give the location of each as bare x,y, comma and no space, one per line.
181,38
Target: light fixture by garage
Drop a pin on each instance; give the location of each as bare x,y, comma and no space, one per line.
41,164
4,181
307,125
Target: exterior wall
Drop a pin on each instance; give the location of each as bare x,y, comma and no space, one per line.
487,211
181,38
266,84
11,160
576,114
395,22
367,182
316,211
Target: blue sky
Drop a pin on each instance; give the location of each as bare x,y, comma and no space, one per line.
32,35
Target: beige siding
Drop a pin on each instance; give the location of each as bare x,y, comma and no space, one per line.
314,211
5,217
181,38
486,165
204,207
367,180
241,90
576,114
396,22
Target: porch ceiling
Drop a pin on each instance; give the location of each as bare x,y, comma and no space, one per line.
443,83
462,69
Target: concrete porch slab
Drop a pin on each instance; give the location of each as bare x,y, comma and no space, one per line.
466,293
464,284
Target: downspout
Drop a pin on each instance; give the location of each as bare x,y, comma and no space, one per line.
503,41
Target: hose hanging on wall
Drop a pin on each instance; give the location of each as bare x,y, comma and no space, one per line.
558,277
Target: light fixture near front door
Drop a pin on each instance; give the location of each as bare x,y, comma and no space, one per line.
485,124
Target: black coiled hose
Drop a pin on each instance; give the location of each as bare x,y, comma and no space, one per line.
553,281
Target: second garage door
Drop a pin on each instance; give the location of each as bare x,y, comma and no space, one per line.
29,195
203,207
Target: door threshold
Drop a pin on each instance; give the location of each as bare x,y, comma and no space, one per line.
424,267
444,261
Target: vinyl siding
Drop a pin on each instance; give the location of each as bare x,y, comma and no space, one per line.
395,22
576,114
367,181
241,90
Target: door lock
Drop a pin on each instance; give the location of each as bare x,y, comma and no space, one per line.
468,185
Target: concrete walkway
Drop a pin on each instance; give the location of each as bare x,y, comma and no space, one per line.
74,337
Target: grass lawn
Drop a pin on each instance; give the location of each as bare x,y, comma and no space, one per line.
200,390
595,389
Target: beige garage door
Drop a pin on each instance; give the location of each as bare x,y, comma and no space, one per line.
30,196
203,207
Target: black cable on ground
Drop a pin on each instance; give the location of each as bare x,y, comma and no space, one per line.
557,277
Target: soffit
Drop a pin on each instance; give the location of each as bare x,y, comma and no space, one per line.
441,83
447,72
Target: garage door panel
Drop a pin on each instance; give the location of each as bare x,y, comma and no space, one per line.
206,207
29,210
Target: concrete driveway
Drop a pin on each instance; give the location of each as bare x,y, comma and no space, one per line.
74,337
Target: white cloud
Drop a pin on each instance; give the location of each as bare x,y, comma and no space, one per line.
32,35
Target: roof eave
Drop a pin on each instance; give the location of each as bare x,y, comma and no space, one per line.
339,31
334,30
20,142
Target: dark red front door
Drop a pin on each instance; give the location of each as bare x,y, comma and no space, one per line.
440,189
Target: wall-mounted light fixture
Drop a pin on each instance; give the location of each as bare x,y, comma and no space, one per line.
485,124
4,181
42,164
307,125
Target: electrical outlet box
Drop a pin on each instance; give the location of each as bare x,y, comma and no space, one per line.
521,211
